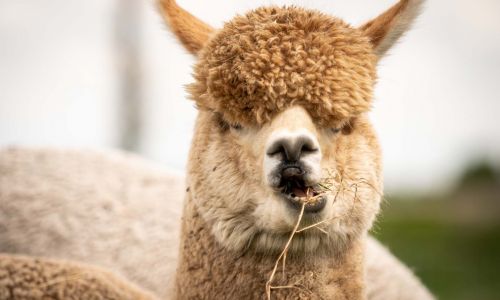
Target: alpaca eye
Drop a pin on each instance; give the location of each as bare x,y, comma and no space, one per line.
236,126
225,125
336,130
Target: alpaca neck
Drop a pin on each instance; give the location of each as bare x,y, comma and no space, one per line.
208,271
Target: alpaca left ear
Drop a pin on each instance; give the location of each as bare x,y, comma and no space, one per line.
385,30
191,31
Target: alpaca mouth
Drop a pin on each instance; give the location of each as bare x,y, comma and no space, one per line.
298,193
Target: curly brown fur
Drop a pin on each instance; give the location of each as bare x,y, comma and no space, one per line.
273,58
28,278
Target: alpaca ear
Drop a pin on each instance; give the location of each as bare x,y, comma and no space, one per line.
192,32
385,30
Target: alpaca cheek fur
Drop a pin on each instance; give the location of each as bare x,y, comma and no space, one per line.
361,175
354,158
252,144
272,214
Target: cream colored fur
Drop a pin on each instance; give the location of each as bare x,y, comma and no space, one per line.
107,208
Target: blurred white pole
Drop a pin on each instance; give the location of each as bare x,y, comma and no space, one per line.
128,39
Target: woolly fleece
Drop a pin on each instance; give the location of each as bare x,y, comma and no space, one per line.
272,58
107,208
51,204
28,278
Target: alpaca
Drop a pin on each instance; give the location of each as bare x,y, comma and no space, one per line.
106,208
284,166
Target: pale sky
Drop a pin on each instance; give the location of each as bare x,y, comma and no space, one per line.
435,110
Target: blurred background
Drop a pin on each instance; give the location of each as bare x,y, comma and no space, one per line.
107,74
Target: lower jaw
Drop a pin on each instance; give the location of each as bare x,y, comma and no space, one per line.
308,245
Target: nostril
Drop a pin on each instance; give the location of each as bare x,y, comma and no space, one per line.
276,148
308,147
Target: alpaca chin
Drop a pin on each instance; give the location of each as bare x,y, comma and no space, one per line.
317,245
267,230
209,269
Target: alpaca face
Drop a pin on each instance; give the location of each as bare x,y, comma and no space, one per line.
238,178
283,95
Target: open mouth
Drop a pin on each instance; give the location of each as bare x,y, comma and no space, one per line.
297,193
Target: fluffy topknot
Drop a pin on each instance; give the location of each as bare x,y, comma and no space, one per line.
272,58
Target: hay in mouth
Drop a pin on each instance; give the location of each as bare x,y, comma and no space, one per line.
298,193
297,188
293,189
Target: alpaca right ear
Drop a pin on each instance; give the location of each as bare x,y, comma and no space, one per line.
385,30
192,32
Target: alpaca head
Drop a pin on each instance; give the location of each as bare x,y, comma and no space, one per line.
283,95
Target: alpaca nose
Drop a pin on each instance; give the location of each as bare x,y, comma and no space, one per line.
292,148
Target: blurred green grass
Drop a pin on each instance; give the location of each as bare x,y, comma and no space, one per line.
455,262
452,242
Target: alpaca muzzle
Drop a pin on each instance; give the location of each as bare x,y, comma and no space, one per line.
295,190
